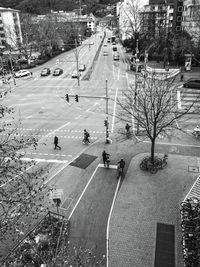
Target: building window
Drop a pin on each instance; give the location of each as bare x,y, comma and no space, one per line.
14,14
180,9
179,18
178,28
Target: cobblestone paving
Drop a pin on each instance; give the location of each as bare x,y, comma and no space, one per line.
143,200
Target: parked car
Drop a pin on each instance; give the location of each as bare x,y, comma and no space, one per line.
139,65
114,48
116,56
192,83
45,72
82,67
57,72
108,41
75,74
105,53
21,73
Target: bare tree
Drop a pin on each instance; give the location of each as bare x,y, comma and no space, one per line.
22,190
154,107
130,18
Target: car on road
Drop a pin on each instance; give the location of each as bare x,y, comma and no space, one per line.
57,72
75,74
82,67
105,53
116,56
21,73
114,48
139,65
192,83
45,72
108,40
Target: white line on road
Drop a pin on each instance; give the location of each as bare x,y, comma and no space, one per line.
114,111
108,222
118,74
83,192
45,160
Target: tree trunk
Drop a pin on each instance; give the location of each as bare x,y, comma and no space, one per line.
152,150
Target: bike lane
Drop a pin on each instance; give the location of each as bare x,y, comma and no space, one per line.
89,218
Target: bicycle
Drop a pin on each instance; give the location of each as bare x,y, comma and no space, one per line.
158,163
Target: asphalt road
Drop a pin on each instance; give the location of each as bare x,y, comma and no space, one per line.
42,111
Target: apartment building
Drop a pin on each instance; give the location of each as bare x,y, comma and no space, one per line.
191,18
157,17
10,29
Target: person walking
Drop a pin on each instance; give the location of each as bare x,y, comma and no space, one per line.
127,127
120,167
105,157
56,142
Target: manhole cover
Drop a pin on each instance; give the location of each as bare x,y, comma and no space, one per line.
83,161
193,169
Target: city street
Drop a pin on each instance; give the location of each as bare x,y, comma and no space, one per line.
43,112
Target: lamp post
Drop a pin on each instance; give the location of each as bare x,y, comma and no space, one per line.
11,65
136,81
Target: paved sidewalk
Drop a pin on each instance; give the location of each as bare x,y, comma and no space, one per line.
143,201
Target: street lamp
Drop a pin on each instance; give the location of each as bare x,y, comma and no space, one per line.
136,81
11,65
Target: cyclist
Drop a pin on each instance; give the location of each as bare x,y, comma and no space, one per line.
106,159
120,167
86,136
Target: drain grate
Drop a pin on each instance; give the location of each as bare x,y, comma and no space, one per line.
83,161
165,247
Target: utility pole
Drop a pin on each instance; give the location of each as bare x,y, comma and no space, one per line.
107,123
11,65
77,69
136,81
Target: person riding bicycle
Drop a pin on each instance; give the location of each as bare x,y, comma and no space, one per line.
120,167
86,136
105,157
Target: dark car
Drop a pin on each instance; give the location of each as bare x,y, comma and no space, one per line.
114,48
192,83
139,65
45,72
57,72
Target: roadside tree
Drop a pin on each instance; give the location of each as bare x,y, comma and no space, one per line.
22,190
154,107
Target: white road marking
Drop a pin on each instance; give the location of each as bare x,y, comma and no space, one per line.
114,111
108,222
79,199
45,160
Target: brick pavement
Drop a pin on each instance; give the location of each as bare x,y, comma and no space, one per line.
143,200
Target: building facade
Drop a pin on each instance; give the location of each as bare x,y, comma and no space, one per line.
10,29
191,18
158,17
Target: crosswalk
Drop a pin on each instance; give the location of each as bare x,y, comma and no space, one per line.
189,97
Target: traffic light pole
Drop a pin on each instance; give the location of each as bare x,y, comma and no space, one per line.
107,124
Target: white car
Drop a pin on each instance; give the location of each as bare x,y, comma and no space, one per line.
21,73
75,74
